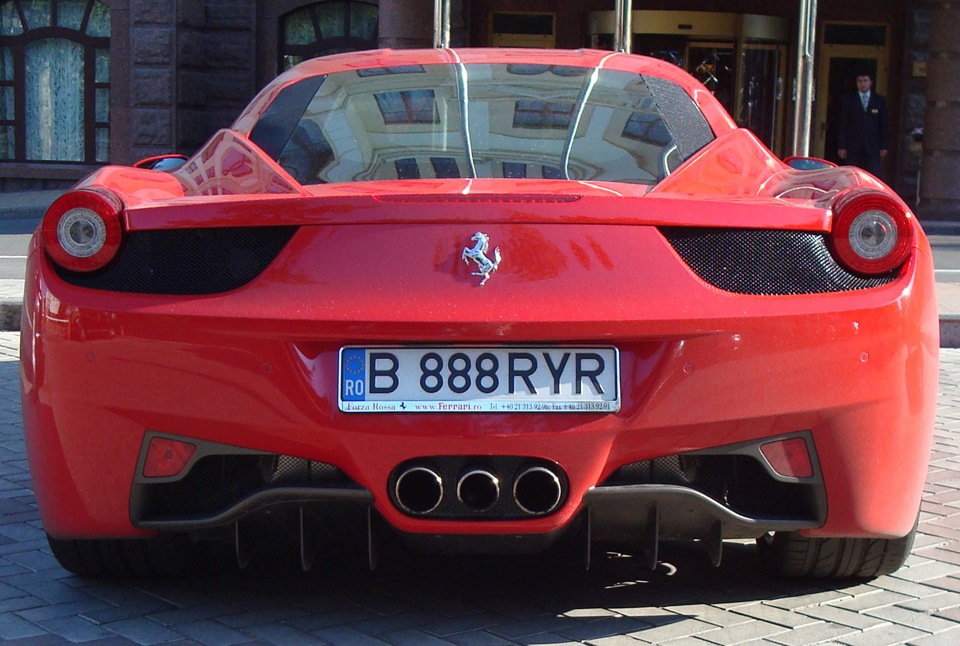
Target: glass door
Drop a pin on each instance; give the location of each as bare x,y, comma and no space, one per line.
714,65
760,101
672,49
740,59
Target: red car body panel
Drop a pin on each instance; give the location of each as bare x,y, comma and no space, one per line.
379,263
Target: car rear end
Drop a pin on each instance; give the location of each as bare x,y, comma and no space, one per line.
480,363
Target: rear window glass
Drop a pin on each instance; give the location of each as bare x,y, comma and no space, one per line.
485,121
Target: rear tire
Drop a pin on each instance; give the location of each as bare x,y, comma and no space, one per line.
788,554
161,556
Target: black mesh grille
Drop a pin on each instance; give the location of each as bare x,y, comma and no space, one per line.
187,261
217,482
687,125
738,482
763,262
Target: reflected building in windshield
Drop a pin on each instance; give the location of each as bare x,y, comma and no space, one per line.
466,121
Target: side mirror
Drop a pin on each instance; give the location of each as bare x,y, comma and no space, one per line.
164,163
808,163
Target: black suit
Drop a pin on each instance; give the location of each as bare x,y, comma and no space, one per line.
863,132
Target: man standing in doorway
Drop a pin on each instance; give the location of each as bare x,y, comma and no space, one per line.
863,137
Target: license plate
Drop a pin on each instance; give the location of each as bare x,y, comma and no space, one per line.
432,379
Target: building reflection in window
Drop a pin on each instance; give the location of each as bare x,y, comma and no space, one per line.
647,127
479,120
531,113
445,167
407,106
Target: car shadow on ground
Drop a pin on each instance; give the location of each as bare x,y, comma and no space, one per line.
535,599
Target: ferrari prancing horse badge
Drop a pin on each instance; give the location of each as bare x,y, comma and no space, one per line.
477,254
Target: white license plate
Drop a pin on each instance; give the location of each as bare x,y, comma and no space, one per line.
433,379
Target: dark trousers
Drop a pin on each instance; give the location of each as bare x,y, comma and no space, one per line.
866,160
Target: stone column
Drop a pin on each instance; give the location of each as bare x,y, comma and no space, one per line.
229,65
940,174
406,24
152,67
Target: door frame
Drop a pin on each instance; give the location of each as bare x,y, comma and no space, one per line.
828,52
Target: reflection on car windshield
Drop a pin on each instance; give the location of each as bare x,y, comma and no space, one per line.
486,121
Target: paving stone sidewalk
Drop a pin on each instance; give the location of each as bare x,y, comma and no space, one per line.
415,599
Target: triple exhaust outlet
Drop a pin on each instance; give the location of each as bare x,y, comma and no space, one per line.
536,491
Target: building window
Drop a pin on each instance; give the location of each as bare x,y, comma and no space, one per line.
407,106
54,81
533,113
647,127
327,28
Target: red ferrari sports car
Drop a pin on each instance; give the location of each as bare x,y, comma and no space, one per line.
481,300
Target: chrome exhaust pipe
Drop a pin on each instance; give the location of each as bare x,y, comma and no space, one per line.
537,491
478,489
419,490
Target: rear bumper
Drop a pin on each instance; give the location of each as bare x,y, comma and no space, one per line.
727,492
855,372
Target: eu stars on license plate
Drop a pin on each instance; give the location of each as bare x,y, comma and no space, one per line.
433,379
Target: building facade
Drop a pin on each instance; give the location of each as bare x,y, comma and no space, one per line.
87,82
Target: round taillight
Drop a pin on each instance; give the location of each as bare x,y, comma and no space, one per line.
872,232
82,229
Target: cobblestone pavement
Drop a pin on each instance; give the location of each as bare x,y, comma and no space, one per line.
413,599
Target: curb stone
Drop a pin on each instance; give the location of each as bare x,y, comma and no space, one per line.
10,315
950,330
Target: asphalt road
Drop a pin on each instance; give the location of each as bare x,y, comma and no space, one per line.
14,240
946,257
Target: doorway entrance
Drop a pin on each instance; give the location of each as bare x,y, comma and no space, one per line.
847,50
